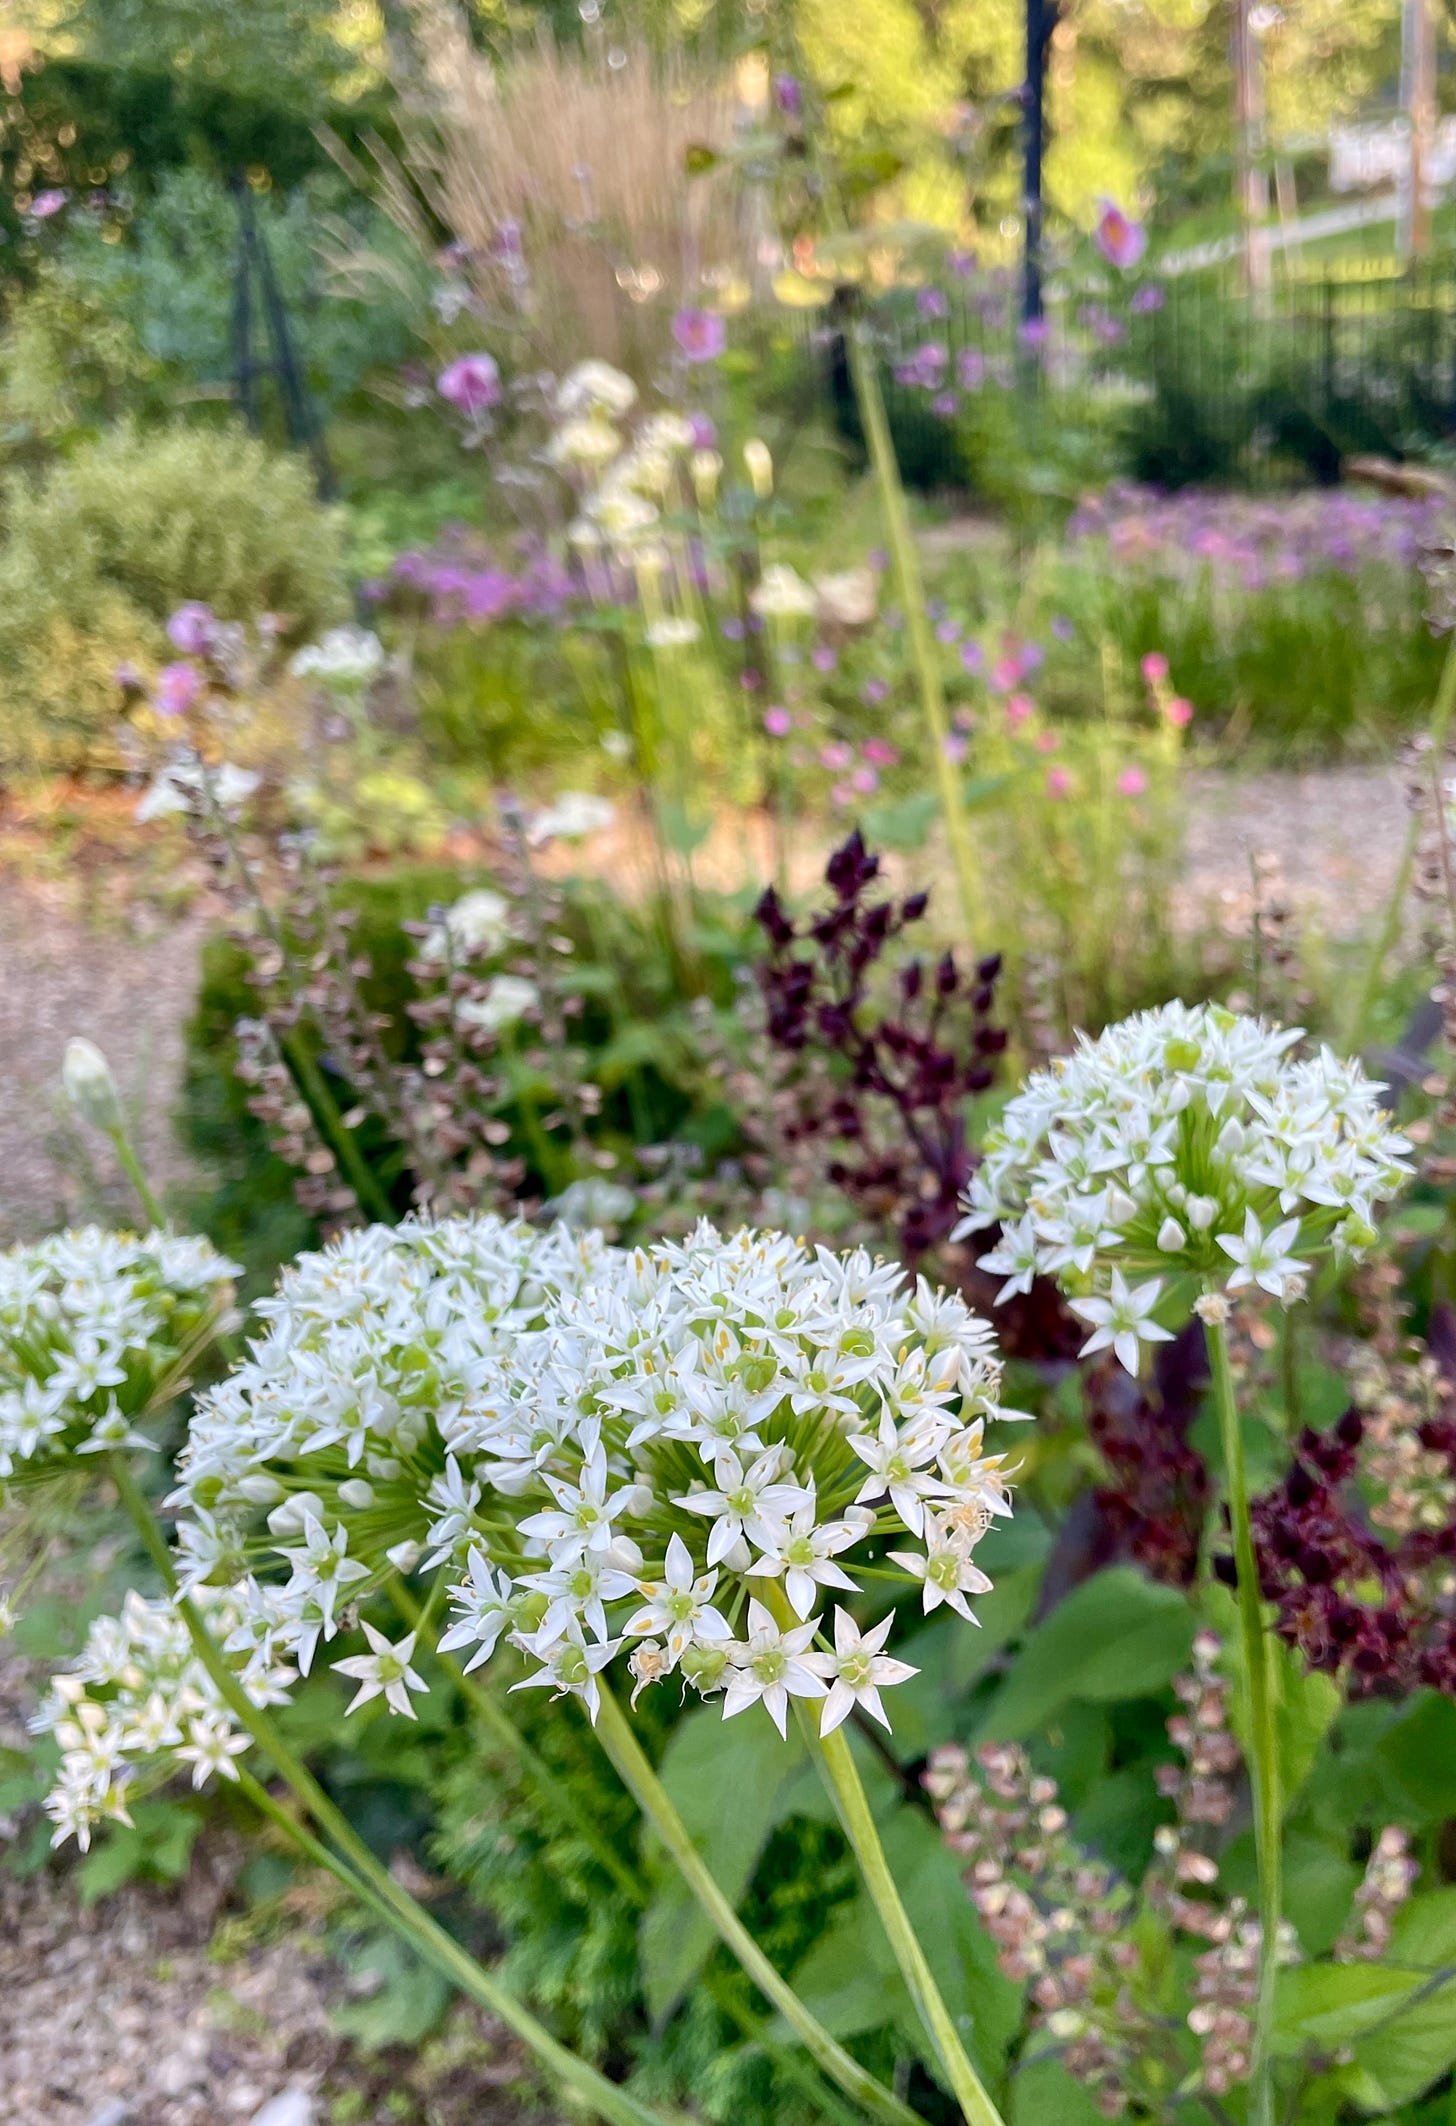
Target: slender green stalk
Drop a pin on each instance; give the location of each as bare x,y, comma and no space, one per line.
1385,937
364,1873
1263,1740
131,1166
615,1734
843,1781
553,1792
922,649
336,1132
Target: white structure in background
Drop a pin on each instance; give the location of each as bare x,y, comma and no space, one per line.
1362,156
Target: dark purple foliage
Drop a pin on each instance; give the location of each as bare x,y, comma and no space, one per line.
905,1060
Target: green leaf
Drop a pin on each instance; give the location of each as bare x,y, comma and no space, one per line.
1414,2049
1319,1882
728,1781
985,2006
1305,1701
902,826
1116,1636
682,833
978,790
405,2002
1418,1755
157,1844
1044,2094
1324,2006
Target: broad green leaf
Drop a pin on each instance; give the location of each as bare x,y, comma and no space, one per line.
157,1843
1044,2094
980,790
1418,1754
1324,2006
682,833
1320,1880
1116,1636
902,826
728,1781
1414,2049
849,1979
406,2000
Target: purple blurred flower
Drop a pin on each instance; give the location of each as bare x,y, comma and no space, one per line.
733,629
47,203
880,753
835,755
178,688
701,335
470,384
962,263
705,432
948,631
1034,332
957,745
874,691
823,657
1146,299
864,782
788,96
1131,782
931,302
777,722
1121,240
1062,628
945,403
192,629
973,657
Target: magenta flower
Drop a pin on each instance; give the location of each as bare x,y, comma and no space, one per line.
1131,782
973,657
470,384
777,722
835,756
1047,741
192,629
931,302
47,203
823,657
1034,332
880,753
1179,712
864,782
1121,240
1005,674
1058,782
1147,299
971,368
1018,708
788,96
1155,668
701,335
178,689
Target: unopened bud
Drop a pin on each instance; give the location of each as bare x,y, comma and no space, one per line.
758,463
90,1087
1171,1237
707,465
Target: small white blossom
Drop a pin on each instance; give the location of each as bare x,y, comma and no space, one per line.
383,1672
770,1667
859,1669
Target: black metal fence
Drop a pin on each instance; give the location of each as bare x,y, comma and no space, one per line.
1191,378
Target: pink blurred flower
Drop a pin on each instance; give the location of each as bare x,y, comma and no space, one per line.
1006,673
1131,782
192,629
1018,708
964,720
701,335
835,755
177,690
1121,240
957,745
880,753
777,722
1047,741
1179,711
1155,668
842,794
47,203
470,384
864,782
1058,782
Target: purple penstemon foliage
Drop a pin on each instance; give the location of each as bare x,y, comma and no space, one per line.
910,1057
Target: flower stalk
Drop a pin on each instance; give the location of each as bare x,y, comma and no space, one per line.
837,1767
359,1870
1262,1739
912,592
622,1747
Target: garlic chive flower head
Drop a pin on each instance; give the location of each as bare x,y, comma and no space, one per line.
1182,1156
138,1707
699,1443
96,1329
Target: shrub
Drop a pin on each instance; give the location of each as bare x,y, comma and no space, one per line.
99,551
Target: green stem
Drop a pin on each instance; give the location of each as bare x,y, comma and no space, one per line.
922,650
131,1166
336,1132
1380,951
552,1791
615,1733
843,1780
365,1874
1263,1744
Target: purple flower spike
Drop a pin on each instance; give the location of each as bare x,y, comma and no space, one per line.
178,689
192,629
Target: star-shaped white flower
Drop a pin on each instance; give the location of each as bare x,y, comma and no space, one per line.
747,1502
897,1466
803,1556
1263,1259
947,1571
678,1606
1122,1319
770,1665
860,1670
383,1672
483,1602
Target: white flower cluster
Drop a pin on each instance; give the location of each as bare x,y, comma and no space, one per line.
622,480
1182,1156
322,1454
94,1328
138,1704
346,657
669,1455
